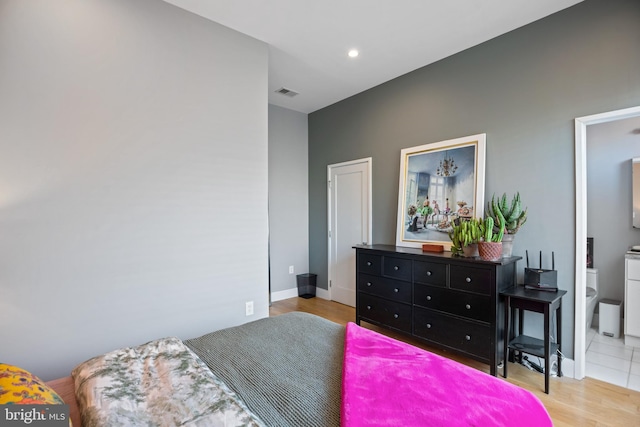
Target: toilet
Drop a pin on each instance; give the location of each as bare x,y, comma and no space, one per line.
592,294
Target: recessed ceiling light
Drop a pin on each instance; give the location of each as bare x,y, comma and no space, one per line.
353,53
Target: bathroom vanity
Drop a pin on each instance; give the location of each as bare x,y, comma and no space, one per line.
632,299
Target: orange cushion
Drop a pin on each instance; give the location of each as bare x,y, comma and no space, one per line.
22,387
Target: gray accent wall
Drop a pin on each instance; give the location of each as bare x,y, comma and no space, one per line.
288,197
133,178
523,89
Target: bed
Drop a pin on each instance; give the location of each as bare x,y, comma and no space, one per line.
295,370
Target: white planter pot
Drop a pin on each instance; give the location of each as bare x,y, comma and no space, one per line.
507,245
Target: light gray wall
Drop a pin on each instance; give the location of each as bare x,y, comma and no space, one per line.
288,196
610,148
133,178
524,89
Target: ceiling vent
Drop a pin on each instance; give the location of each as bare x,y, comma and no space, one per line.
287,92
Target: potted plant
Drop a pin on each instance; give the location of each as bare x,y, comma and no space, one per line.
490,243
514,217
465,235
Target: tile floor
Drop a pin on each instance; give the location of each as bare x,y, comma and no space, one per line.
608,359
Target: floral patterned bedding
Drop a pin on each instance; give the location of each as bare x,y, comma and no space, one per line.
161,383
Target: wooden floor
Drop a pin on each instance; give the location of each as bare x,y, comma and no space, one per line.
570,402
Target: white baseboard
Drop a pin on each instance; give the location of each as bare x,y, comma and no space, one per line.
286,294
568,368
293,292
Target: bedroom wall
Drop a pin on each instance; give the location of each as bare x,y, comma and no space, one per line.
523,89
133,178
288,199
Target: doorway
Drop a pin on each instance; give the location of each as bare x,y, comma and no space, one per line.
349,223
581,124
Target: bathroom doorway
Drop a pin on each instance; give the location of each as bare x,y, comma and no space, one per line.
581,137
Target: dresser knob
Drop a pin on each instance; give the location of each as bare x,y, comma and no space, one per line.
428,297
396,268
368,283
428,325
368,263
395,316
428,273
368,307
468,306
468,280
396,290
467,337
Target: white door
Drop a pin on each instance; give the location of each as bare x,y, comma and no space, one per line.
349,204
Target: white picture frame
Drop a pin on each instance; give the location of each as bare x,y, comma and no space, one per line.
444,173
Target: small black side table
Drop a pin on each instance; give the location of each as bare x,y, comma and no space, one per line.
545,302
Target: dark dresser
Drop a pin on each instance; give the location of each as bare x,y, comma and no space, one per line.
450,302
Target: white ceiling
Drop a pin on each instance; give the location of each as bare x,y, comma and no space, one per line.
309,40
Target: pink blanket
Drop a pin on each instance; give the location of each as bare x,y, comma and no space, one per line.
389,383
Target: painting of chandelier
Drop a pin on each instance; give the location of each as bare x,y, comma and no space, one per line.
447,166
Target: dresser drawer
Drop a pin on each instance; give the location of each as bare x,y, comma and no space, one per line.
371,264
476,307
430,273
377,310
469,337
395,290
398,268
471,279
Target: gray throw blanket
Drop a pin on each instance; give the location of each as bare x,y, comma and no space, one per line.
287,369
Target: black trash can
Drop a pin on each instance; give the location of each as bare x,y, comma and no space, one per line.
306,285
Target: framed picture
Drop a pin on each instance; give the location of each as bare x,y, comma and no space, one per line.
440,183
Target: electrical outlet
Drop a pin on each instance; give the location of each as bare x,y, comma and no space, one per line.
291,269
248,307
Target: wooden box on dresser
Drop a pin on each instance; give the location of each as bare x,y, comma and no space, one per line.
450,302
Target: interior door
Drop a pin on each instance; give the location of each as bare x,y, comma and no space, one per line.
349,224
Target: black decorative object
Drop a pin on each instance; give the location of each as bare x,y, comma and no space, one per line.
589,252
539,278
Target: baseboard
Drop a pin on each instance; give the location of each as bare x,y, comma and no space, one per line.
568,368
293,292
286,294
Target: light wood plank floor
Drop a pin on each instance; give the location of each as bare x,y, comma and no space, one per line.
570,402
